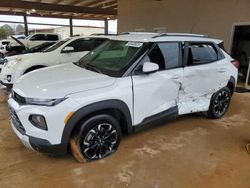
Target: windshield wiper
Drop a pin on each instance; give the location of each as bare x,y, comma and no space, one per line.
92,67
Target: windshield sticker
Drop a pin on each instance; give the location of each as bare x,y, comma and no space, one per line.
134,44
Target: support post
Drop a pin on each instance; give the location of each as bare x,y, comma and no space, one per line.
248,73
25,25
71,26
106,26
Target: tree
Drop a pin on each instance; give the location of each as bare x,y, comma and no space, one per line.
9,30
3,33
19,29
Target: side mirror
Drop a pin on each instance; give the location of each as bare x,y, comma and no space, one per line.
149,67
68,49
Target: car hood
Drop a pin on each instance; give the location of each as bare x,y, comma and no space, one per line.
29,56
19,42
59,81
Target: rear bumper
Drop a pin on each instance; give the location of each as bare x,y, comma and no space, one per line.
40,145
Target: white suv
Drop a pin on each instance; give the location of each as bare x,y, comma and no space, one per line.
37,39
65,51
117,88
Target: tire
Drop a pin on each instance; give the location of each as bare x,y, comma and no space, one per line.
219,103
96,138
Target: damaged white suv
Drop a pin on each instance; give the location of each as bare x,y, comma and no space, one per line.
117,88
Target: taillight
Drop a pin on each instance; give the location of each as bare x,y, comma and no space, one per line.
236,63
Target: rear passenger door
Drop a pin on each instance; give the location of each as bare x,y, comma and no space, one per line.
157,93
201,76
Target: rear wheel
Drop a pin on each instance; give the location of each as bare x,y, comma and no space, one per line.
97,138
219,103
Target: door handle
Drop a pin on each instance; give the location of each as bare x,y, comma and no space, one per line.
222,70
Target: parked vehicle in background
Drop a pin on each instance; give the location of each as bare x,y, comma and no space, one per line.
37,39
18,51
65,51
22,49
118,88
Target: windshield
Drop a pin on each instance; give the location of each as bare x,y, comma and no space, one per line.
56,45
41,47
112,57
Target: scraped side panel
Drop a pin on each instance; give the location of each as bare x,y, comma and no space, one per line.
199,84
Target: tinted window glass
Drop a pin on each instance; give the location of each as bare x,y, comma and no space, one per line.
170,53
38,37
56,45
166,55
98,42
155,56
81,45
201,54
52,37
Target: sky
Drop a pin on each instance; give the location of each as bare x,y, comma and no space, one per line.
30,19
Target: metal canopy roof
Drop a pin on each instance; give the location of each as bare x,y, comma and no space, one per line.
76,9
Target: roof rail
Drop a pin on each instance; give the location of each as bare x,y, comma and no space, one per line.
101,34
136,33
180,35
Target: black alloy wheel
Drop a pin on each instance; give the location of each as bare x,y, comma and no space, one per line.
100,141
96,138
219,103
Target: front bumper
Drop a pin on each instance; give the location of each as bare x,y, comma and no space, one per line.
49,141
40,145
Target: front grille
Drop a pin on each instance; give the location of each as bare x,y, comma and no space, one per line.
16,122
19,99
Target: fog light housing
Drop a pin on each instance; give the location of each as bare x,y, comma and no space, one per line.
38,121
9,78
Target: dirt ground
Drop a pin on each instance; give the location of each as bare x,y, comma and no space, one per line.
191,151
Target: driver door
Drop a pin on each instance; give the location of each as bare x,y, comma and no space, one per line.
157,93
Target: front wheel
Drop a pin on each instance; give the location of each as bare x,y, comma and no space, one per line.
219,103
98,137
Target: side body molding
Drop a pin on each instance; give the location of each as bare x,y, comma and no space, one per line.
95,107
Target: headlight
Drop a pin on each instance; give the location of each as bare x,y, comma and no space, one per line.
43,102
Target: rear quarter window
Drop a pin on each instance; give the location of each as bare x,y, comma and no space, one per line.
202,53
52,37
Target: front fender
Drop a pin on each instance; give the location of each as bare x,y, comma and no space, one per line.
98,106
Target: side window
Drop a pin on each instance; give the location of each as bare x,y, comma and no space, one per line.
199,53
38,37
98,42
166,55
155,56
171,54
81,45
52,37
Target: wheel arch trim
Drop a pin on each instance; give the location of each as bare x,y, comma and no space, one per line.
95,107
